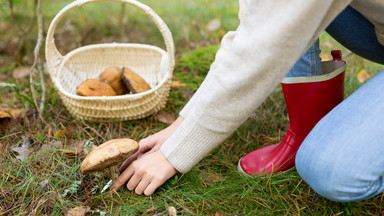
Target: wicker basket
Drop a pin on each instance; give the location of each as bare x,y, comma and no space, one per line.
152,63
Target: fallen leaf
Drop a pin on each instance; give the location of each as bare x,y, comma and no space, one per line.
15,113
23,150
7,115
50,145
363,76
62,133
324,57
176,84
75,149
5,119
147,211
211,177
77,211
21,72
218,214
213,25
163,116
79,149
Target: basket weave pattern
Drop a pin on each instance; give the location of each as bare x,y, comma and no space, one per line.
152,63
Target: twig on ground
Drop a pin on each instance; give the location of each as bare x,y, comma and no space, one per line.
43,88
37,64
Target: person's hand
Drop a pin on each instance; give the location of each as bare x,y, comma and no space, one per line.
152,143
146,174
139,165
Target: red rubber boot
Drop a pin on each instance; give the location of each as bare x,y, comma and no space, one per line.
308,99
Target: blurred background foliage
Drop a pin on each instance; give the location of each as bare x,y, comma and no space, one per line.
193,24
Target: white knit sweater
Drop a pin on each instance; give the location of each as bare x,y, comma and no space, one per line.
271,37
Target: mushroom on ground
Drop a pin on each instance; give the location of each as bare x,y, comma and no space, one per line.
110,153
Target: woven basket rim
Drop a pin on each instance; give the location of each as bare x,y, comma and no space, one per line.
164,79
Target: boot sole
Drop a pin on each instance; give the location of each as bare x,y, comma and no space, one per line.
240,170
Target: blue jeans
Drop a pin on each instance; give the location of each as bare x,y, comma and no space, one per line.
342,158
309,64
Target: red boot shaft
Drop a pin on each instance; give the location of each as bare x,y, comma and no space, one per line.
308,99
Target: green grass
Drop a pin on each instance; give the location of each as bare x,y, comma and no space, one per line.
213,187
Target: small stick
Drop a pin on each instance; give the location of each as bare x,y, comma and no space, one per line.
36,64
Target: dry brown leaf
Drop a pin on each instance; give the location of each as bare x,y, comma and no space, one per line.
5,115
15,113
218,214
324,57
163,116
23,150
176,84
62,133
21,72
5,119
77,211
211,177
147,211
363,76
75,149
79,149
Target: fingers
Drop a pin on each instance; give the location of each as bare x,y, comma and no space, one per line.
148,142
124,177
154,149
129,160
134,181
151,188
140,188
146,185
146,174
144,146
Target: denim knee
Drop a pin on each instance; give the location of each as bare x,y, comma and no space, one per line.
316,171
330,177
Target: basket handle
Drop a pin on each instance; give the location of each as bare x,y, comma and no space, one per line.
54,58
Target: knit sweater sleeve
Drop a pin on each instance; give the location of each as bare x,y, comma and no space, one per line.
271,37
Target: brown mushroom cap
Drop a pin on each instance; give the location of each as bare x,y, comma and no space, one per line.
134,81
110,153
94,87
113,75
